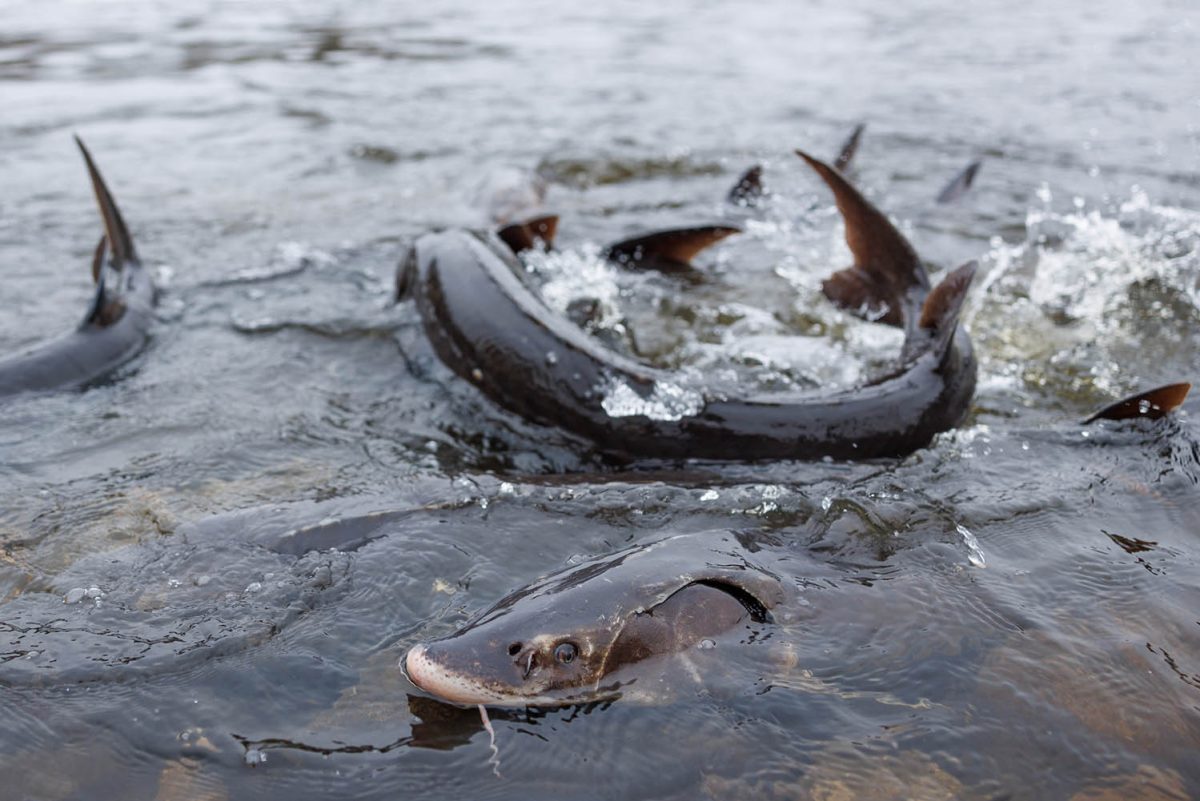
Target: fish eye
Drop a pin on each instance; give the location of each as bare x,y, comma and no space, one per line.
566,652
514,649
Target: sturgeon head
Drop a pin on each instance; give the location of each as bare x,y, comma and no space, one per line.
580,634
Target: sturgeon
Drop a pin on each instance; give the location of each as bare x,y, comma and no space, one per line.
489,327
586,633
117,322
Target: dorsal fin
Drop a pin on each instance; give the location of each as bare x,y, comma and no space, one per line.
748,190
939,314
521,236
118,236
959,185
668,251
886,268
849,147
1152,404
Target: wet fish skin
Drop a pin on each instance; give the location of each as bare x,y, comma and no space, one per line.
493,331
584,633
116,325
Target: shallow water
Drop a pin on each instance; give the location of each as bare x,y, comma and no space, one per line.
1016,613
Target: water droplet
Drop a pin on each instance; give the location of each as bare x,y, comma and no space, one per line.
710,495
507,489
551,358
826,503
253,586
706,644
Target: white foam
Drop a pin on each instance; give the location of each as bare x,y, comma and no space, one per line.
666,401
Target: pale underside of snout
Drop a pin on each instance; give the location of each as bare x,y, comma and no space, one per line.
448,685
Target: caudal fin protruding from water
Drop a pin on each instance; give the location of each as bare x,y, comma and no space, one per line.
1152,404
119,240
522,236
668,251
749,189
849,147
959,185
886,269
943,306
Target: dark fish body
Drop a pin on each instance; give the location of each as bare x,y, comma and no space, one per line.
78,358
115,327
587,632
493,331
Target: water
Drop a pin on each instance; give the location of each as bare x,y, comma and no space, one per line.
273,159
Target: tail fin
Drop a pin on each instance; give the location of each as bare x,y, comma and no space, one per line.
668,251
106,308
886,269
521,236
939,315
748,190
959,185
1152,404
115,231
849,147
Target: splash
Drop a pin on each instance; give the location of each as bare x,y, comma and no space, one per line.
666,401
1091,295
571,277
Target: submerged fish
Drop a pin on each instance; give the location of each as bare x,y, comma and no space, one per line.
589,632
492,330
117,322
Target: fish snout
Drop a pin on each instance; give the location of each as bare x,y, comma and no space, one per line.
425,670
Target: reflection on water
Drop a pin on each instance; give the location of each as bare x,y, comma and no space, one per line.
211,563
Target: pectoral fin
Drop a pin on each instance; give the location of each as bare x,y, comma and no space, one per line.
1152,404
667,251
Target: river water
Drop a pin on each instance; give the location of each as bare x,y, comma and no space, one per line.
1019,609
